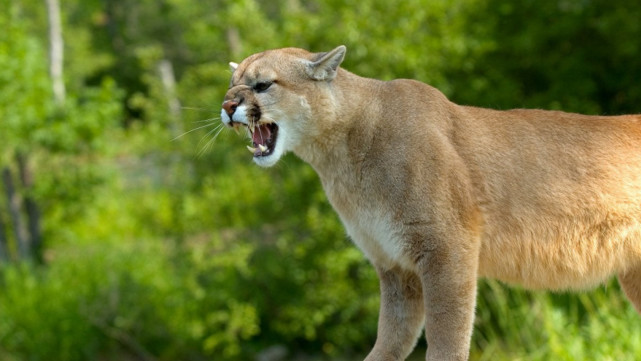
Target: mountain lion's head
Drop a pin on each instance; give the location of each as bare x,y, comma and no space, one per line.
277,95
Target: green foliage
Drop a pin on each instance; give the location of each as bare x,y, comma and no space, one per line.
554,326
584,61
184,250
23,80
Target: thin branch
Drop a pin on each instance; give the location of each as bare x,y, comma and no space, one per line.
56,51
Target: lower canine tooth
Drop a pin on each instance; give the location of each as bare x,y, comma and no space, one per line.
251,149
262,148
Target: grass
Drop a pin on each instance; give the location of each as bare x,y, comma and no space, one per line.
596,325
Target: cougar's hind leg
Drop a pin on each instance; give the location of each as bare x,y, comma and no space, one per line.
630,281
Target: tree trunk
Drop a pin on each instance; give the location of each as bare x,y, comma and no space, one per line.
234,42
56,51
33,212
4,250
166,70
13,201
177,164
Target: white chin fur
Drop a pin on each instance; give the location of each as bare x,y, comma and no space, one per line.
267,161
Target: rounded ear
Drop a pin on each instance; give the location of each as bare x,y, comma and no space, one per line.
233,66
324,67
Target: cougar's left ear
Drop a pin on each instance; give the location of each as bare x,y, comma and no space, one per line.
233,66
324,67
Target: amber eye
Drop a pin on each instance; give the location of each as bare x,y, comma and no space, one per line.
262,86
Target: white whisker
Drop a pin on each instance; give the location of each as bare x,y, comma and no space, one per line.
218,128
206,120
209,143
193,130
203,109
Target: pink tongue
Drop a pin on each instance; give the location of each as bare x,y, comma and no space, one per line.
261,135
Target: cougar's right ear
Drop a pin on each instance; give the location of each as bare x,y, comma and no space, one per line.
325,66
233,66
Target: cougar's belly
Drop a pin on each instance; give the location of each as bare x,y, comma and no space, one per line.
559,254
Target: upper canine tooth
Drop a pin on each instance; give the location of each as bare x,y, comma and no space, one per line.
262,148
251,149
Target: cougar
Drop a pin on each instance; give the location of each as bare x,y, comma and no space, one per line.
437,194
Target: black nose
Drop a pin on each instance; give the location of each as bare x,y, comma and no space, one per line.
230,107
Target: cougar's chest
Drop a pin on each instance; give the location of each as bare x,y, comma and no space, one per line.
370,225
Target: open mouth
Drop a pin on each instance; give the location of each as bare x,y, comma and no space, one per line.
263,139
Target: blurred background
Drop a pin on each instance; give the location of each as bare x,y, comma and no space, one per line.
130,229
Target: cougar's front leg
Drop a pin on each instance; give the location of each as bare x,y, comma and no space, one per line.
401,315
448,276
